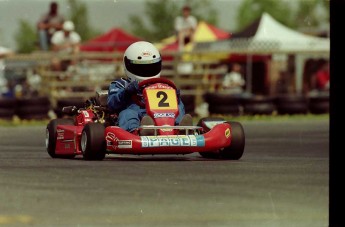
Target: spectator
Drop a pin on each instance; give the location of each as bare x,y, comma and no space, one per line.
65,41
233,82
323,77
48,24
185,26
282,83
3,81
34,82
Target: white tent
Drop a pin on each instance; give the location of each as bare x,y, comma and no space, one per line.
271,37
268,36
288,40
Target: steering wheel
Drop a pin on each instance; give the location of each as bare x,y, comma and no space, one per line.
150,81
139,101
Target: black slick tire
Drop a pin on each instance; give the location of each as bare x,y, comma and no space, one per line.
236,148
93,142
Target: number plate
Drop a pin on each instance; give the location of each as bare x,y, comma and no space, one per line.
162,99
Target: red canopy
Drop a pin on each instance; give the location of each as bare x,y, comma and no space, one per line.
114,40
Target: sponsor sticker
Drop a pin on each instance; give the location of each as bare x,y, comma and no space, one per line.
115,143
86,114
173,141
164,115
60,134
124,143
159,86
146,53
111,140
167,129
227,133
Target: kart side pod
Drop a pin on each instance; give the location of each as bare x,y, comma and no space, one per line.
120,141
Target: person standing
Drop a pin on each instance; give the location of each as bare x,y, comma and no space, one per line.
185,27
233,82
65,41
48,24
323,77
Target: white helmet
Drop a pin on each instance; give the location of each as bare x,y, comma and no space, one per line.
68,26
142,61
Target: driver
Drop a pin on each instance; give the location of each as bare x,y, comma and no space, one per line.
141,61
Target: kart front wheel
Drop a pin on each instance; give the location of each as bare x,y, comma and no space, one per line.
236,148
51,136
92,142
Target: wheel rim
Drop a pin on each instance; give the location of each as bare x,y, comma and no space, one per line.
47,138
83,142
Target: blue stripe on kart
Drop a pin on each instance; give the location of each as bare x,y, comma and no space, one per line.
200,141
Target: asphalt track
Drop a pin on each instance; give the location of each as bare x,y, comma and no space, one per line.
281,180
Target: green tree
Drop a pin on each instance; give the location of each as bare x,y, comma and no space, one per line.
26,37
161,15
312,13
250,10
294,14
79,16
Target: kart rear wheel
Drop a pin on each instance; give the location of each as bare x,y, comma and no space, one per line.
236,148
92,142
212,155
51,136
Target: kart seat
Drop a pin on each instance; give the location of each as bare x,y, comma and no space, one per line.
102,97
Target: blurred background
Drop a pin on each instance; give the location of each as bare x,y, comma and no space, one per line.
246,57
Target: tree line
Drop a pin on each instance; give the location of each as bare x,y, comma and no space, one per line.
161,13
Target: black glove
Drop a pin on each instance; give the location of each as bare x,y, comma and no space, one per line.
132,88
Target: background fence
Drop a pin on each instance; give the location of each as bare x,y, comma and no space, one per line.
198,74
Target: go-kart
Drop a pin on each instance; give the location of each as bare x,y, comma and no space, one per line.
92,131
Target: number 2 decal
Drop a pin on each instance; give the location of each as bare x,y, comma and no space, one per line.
162,102
164,99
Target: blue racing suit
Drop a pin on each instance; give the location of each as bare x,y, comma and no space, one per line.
130,113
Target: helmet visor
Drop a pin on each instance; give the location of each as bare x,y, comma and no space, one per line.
146,68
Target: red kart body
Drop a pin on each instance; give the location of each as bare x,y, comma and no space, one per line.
120,141
90,139
68,136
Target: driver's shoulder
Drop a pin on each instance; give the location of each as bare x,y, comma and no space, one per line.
120,82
